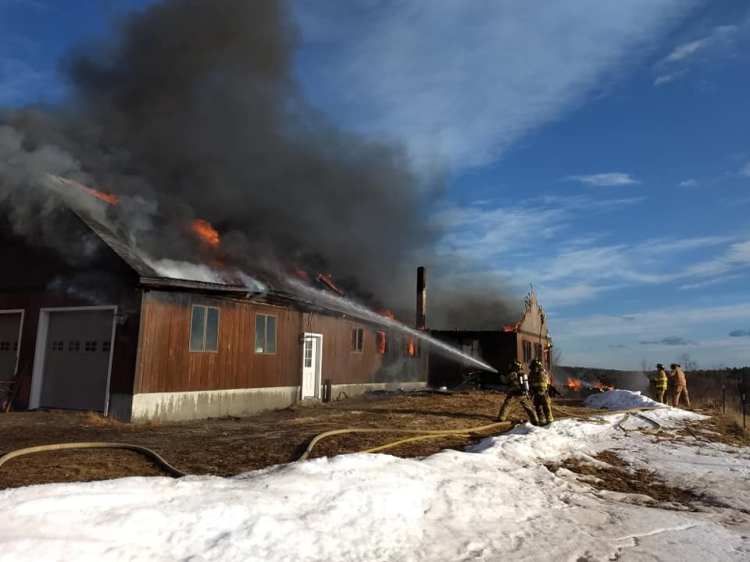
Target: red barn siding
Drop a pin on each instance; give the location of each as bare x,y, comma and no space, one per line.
165,363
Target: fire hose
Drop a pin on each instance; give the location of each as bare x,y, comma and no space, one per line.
422,434
172,471
145,451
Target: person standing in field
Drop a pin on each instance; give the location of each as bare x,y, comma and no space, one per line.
659,383
680,385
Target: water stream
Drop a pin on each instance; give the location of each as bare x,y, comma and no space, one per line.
356,310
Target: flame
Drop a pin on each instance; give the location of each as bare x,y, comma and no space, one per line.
206,233
574,384
108,198
411,347
601,387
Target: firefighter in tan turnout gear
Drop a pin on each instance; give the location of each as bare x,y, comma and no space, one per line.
660,381
518,382
540,385
680,385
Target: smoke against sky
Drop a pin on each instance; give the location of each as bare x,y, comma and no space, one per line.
192,106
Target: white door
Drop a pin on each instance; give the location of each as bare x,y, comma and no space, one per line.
312,351
77,359
10,343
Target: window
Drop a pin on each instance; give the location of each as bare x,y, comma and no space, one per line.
538,351
204,329
381,342
265,333
526,351
308,352
358,340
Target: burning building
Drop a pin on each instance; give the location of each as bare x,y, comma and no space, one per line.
525,340
124,335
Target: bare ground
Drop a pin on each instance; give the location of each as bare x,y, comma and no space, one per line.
228,446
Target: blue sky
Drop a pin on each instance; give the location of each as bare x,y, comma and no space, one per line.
599,150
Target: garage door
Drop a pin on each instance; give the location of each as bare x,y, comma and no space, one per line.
76,364
10,327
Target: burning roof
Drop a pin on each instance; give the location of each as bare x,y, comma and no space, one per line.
91,207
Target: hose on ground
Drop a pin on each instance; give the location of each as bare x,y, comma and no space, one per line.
145,451
422,434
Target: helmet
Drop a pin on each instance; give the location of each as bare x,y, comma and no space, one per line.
659,366
536,364
516,364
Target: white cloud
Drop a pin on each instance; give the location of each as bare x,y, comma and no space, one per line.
675,64
653,323
667,78
606,179
686,50
459,82
745,171
689,183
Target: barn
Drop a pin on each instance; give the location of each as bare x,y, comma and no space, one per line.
113,335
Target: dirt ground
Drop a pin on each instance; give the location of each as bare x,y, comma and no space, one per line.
228,446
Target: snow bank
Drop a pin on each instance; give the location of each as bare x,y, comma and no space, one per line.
497,501
621,400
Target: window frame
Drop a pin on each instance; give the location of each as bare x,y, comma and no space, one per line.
205,308
526,346
358,340
265,339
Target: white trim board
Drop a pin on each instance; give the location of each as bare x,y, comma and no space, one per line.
40,350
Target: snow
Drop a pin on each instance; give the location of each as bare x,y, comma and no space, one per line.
496,501
621,400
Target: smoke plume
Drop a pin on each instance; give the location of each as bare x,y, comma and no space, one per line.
191,110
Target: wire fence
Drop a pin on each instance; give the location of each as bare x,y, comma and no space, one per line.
727,390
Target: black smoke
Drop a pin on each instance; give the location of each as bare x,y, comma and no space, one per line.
191,110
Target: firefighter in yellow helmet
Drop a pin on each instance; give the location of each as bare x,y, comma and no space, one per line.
659,382
518,391
540,384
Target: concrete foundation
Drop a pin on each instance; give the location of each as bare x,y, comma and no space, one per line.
182,406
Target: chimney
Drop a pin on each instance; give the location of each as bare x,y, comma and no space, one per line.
421,299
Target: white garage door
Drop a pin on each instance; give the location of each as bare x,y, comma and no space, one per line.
10,332
76,363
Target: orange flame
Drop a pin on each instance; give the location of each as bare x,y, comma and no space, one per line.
207,233
109,198
574,384
411,347
601,387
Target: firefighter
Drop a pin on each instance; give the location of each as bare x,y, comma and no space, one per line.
680,385
539,382
659,382
518,381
